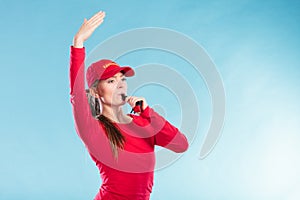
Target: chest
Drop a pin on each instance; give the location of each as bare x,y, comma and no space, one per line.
138,144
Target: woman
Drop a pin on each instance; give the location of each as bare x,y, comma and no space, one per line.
121,145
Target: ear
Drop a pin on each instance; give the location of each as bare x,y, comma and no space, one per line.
93,92
99,92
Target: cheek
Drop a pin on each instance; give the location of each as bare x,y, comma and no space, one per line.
106,92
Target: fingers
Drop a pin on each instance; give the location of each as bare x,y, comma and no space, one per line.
87,28
96,18
98,23
98,14
131,100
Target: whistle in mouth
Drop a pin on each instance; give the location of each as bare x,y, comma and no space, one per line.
138,105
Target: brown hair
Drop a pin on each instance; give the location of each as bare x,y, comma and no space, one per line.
114,135
112,132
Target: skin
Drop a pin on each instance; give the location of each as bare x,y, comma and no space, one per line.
109,90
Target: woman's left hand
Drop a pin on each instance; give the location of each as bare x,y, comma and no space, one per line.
87,28
131,100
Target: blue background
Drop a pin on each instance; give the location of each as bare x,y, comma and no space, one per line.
255,46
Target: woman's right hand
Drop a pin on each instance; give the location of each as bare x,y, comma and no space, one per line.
87,28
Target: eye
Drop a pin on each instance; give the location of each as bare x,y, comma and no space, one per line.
124,79
111,81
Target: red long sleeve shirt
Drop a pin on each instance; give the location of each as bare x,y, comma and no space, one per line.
131,175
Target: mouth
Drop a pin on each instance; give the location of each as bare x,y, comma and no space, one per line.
123,97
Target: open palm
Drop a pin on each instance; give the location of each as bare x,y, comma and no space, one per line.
87,28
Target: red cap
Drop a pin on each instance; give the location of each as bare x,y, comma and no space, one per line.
104,69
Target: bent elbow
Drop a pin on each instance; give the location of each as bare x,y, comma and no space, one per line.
179,145
183,147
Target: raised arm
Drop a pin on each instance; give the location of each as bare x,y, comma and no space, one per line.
85,124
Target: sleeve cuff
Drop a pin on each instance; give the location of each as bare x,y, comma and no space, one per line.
76,51
146,112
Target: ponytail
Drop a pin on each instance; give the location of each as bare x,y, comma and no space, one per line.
114,135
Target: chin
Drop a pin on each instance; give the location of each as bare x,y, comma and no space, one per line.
118,103
123,103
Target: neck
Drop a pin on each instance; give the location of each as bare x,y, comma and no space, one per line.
115,114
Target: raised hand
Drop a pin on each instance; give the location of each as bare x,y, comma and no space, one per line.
87,28
132,100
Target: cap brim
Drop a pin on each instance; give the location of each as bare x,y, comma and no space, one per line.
127,71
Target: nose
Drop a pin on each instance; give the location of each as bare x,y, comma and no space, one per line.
121,83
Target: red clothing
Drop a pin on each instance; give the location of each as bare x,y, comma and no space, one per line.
131,175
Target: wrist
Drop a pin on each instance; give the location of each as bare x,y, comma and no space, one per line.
77,42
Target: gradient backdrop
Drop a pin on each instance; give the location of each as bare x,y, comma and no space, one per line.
255,46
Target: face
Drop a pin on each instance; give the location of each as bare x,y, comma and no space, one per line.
110,90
